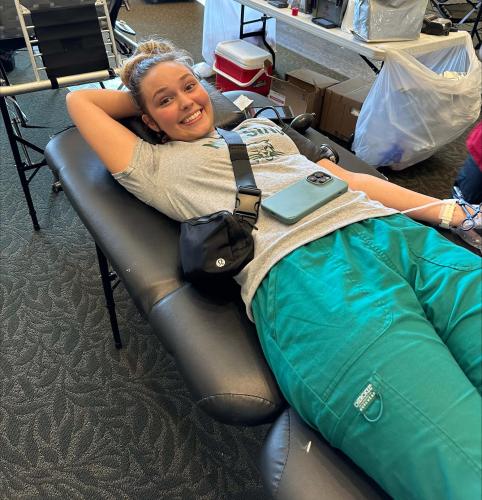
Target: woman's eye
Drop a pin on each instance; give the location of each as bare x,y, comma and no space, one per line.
164,101
190,86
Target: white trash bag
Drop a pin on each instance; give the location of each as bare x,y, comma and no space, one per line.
221,23
417,105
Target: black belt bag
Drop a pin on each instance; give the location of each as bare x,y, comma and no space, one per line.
216,247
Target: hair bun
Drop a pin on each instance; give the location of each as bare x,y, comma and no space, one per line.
155,46
148,53
151,47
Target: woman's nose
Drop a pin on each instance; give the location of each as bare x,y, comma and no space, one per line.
185,101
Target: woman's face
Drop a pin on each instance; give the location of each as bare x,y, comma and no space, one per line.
176,103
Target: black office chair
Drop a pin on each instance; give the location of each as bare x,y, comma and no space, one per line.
70,39
11,36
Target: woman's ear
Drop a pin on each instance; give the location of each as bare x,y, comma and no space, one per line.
150,122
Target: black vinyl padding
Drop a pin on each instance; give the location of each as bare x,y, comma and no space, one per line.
141,245
297,463
225,340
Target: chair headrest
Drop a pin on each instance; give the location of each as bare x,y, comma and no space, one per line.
226,115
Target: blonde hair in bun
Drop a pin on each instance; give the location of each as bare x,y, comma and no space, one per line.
148,54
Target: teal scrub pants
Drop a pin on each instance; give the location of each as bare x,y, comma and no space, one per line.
374,335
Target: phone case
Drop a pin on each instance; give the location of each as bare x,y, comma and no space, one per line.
298,200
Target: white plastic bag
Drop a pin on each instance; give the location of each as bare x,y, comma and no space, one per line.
412,109
221,23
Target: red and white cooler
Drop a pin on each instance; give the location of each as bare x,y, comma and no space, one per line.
240,65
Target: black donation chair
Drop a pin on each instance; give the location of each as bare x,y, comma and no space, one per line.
213,342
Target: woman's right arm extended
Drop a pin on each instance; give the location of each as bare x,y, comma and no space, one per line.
95,113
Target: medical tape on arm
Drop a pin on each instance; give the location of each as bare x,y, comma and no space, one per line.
446,211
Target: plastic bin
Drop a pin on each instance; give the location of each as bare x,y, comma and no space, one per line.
240,65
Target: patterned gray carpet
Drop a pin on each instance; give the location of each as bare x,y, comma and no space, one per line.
79,419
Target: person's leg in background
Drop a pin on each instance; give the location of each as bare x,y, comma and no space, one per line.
469,181
355,354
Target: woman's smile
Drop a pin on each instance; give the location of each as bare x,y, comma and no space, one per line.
193,117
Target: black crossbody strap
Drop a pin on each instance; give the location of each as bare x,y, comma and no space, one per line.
248,196
239,158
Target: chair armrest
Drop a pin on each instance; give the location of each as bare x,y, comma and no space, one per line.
216,349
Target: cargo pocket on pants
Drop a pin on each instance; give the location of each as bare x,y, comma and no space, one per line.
396,442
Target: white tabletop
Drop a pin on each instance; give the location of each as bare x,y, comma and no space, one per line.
375,51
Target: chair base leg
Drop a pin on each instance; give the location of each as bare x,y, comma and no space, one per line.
19,163
107,277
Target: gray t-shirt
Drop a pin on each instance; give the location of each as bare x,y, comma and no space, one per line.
190,179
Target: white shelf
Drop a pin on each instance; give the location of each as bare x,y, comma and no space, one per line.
375,51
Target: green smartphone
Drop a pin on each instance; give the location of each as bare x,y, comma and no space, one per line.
303,197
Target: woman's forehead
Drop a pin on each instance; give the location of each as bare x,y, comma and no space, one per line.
167,73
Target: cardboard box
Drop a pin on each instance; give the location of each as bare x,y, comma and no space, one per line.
341,107
303,91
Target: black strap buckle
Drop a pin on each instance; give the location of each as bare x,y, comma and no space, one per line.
248,200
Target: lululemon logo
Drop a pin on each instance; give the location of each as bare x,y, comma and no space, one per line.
220,262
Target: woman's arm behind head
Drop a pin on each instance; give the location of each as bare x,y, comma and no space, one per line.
95,113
